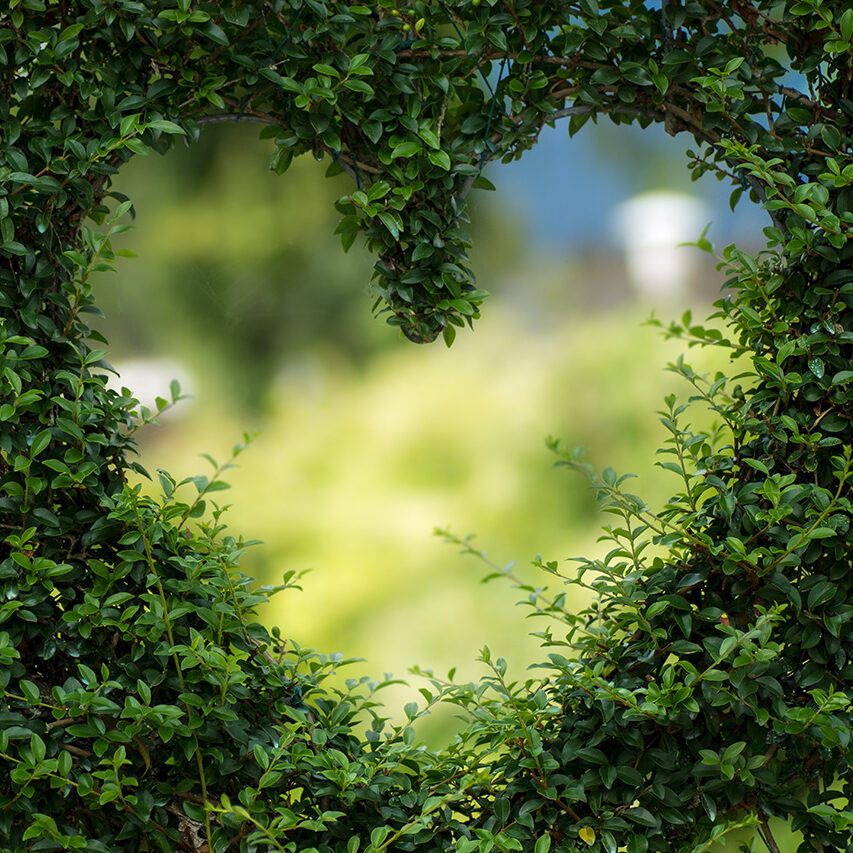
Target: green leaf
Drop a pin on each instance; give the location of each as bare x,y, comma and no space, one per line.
378,835
391,221
845,25
358,63
64,763
463,307
144,691
41,440
14,248
30,691
429,137
71,31
637,843
165,126
440,159
261,756
733,751
38,748
286,83
733,64
378,190
407,149
817,367
822,533
636,73
715,675
758,465
359,86
726,647
372,130
328,70
784,351
127,124
107,796
641,816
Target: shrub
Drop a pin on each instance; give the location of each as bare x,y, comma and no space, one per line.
708,686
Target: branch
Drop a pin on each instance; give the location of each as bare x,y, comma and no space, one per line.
797,95
767,835
353,167
222,118
581,109
348,164
497,56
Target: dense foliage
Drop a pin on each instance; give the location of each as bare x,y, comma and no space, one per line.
707,688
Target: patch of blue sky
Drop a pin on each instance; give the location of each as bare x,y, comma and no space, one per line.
568,190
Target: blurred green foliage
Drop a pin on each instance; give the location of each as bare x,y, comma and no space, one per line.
358,459
248,273
368,443
247,269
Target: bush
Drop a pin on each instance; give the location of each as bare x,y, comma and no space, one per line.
708,687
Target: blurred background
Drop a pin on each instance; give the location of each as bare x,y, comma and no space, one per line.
367,442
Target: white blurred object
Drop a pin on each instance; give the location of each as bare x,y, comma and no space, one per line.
149,378
650,227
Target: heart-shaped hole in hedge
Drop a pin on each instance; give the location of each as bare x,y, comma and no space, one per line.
219,290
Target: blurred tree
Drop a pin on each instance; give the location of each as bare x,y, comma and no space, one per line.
247,271
239,274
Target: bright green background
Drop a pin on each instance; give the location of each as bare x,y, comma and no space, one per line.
367,442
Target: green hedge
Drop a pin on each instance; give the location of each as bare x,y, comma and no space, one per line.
707,688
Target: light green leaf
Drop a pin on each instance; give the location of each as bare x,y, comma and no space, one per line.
429,137
165,126
407,149
358,64
322,68
440,159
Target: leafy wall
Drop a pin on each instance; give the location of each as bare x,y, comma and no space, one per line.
707,689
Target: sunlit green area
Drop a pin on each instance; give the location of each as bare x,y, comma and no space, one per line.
366,442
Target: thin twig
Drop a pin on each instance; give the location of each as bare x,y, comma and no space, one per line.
222,118
767,835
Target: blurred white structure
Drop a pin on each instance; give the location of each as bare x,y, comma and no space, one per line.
149,378
650,226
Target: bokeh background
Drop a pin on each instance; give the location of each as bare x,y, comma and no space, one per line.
367,442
